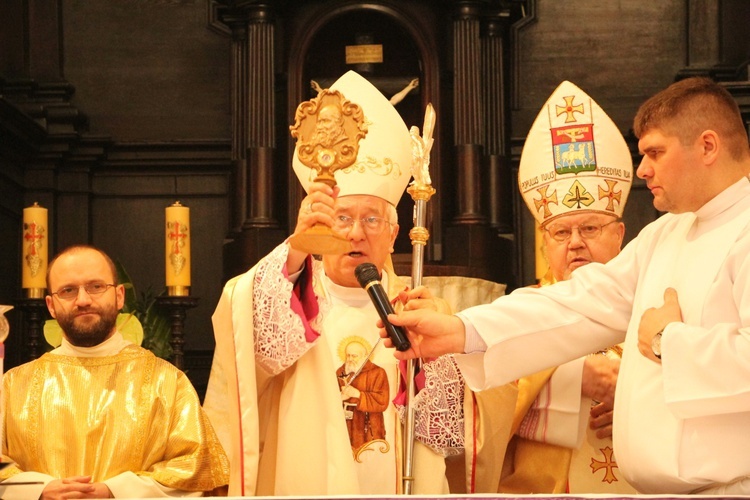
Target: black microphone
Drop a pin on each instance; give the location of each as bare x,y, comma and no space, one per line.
369,279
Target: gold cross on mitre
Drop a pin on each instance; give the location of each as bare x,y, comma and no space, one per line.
610,194
545,200
569,109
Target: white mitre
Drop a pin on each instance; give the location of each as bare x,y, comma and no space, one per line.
383,165
574,159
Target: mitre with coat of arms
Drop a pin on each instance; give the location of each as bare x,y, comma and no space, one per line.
574,159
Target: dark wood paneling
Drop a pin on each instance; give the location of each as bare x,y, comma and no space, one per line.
620,53
127,221
735,42
147,70
12,39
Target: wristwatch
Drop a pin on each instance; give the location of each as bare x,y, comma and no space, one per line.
656,344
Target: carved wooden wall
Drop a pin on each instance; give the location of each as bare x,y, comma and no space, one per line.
459,52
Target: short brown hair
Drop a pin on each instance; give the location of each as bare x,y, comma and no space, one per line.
688,107
78,248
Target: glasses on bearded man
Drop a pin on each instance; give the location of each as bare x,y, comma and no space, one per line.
93,288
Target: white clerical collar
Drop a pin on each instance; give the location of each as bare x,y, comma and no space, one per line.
109,347
348,294
724,200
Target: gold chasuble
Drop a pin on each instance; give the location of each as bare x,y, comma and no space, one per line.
103,416
534,467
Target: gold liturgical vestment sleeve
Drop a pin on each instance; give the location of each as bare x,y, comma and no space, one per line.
102,416
531,466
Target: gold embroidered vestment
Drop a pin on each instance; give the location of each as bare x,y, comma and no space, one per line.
102,416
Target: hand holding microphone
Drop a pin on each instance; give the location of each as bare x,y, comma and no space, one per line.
369,279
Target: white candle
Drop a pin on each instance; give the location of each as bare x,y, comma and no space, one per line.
177,249
35,240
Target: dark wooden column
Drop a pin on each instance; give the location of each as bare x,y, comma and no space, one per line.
237,24
467,103
255,227
261,135
468,239
253,135
496,120
500,178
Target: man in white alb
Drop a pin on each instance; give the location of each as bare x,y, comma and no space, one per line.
678,295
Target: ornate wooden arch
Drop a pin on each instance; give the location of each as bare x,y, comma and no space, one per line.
422,35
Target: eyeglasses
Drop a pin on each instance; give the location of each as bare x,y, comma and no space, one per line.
562,233
370,225
71,292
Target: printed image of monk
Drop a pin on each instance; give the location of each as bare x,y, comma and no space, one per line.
364,395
